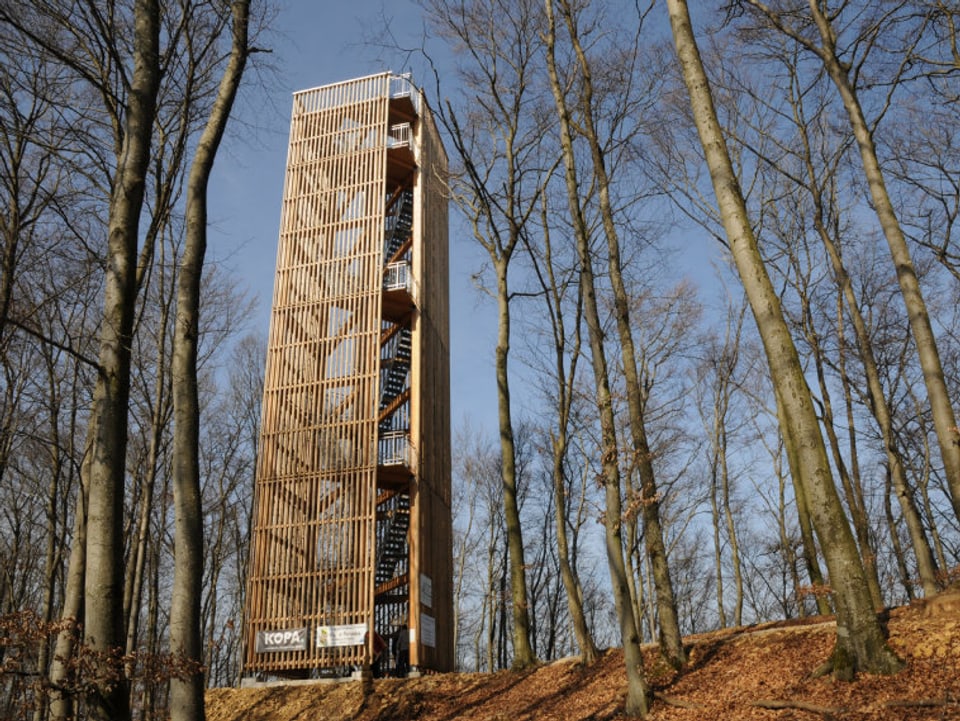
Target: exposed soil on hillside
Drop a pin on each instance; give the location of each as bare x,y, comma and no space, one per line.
761,672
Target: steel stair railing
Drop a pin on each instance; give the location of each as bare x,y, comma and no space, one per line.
401,226
395,380
392,545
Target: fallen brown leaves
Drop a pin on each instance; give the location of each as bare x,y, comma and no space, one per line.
759,673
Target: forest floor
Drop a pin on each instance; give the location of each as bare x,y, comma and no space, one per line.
761,672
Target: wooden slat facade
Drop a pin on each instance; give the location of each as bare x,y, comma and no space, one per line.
352,520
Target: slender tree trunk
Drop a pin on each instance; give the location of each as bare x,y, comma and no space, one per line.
571,584
133,589
857,501
898,554
62,697
860,643
634,561
108,695
723,364
717,543
637,703
850,484
926,565
560,439
671,642
923,485
943,416
53,552
186,641
152,632
492,608
810,555
137,554
786,542
502,628
523,655
503,182
733,537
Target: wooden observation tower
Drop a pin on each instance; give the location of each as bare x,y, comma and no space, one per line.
352,523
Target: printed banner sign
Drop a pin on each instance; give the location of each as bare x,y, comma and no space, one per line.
428,630
291,639
349,635
426,590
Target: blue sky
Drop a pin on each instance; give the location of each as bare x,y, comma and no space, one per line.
316,43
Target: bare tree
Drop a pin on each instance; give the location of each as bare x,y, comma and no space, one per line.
498,141
860,643
718,378
815,31
105,465
637,702
811,320
556,283
117,89
128,102
648,505
186,688
815,160
821,187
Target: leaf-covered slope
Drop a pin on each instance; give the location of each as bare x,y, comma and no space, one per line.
748,673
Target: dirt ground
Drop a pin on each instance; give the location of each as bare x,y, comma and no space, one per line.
761,672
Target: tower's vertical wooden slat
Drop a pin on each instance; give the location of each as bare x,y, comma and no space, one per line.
316,540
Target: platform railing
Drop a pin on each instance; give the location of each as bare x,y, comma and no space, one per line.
400,136
394,449
397,276
401,86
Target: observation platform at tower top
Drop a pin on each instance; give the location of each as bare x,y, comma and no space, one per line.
405,96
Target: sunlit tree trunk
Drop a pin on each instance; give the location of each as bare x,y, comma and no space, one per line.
938,395
491,603
186,641
811,557
717,543
523,654
140,540
860,643
497,139
878,405
637,703
103,630
839,72
63,701
671,642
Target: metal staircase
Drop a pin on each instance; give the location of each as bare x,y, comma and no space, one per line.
393,514
392,545
394,382
400,226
